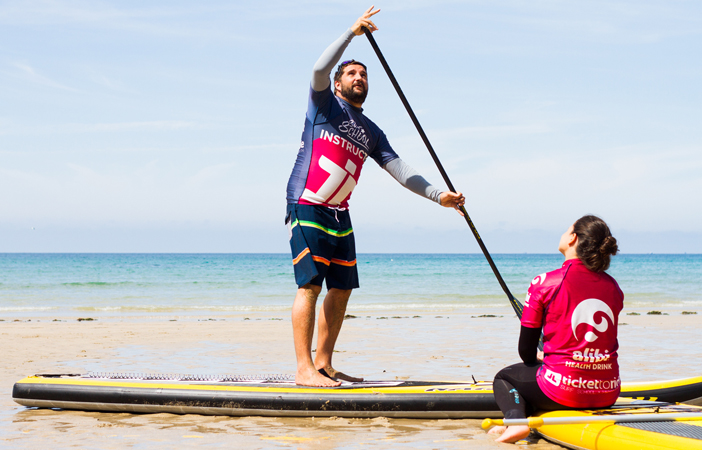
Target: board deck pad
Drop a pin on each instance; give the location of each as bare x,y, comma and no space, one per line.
271,379
681,429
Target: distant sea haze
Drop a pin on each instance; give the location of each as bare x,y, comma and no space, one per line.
49,285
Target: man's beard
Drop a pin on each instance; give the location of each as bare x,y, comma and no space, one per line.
353,96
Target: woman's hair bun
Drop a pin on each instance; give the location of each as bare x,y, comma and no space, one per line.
595,243
609,246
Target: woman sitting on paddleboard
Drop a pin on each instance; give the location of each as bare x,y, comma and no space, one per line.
578,307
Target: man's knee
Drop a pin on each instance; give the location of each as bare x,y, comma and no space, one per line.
309,291
340,292
339,296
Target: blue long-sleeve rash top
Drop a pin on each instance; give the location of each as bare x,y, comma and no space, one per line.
336,141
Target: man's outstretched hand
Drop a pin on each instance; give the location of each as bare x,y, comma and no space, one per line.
453,200
364,21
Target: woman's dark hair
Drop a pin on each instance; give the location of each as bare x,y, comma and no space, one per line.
596,244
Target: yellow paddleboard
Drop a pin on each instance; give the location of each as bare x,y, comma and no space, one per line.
648,435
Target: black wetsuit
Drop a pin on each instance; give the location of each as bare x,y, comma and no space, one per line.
516,391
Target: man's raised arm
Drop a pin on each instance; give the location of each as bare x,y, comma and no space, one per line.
324,65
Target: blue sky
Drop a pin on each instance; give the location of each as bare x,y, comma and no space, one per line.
173,126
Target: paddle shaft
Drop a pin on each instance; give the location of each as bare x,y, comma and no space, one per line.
537,422
516,304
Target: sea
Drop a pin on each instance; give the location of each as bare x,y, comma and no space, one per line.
97,284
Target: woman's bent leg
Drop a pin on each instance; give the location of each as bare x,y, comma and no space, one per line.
508,387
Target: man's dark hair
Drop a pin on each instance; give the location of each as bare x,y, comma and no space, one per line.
343,65
596,244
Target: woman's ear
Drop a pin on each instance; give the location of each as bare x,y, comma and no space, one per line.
573,240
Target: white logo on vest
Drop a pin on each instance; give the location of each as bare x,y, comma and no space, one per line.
585,313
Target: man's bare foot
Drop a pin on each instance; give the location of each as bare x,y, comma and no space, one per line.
333,373
514,433
311,377
497,430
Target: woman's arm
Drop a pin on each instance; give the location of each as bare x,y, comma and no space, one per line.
529,344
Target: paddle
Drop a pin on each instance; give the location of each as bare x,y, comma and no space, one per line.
537,422
516,304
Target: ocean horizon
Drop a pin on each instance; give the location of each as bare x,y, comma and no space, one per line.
194,284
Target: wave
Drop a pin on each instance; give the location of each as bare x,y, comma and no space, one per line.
28,308
670,303
286,307
150,284
395,308
423,306
129,309
186,309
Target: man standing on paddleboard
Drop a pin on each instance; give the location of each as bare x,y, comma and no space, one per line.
336,141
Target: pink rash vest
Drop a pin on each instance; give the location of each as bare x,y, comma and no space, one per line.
579,311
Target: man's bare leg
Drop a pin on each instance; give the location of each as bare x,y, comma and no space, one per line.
331,317
303,313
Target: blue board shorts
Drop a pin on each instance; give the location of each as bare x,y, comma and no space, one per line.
323,246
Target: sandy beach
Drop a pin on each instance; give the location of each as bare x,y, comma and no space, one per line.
452,345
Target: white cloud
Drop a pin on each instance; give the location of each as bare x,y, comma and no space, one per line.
80,128
82,11
113,85
165,20
28,72
491,131
211,173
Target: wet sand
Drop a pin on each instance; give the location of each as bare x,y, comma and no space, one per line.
435,346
